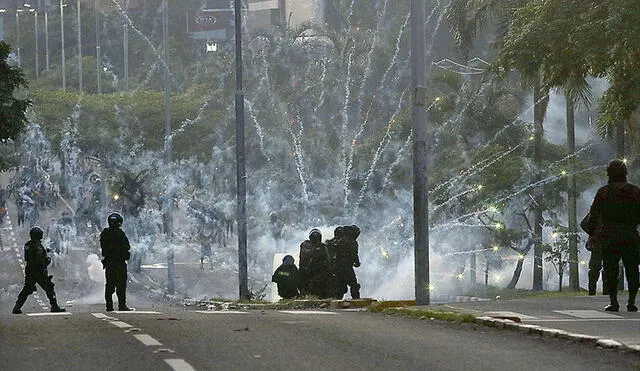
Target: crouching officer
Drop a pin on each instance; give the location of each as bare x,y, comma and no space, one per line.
36,272
115,251
286,277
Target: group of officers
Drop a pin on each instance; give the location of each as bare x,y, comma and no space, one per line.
115,249
325,268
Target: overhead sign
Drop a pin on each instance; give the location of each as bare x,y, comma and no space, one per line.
210,24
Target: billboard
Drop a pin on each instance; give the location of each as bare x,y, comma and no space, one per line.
210,24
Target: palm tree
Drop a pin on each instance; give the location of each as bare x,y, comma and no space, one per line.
466,18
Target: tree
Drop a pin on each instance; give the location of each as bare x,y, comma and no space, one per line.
13,113
466,18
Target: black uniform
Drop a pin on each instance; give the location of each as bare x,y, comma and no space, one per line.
321,277
36,272
304,274
595,260
346,259
286,277
115,250
613,220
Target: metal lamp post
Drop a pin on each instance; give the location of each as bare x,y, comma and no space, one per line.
167,146
46,36
419,122
79,23
64,60
98,64
241,178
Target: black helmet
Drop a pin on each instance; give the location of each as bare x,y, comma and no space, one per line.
115,220
355,231
36,233
337,233
616,168
288,259
315,235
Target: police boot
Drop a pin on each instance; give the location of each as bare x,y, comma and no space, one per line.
16,310
57,309
124,308
614,306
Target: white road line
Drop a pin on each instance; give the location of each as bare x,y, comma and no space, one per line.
120,324
221,312
136,312
587,314
179,364
305,312
147,340
49,314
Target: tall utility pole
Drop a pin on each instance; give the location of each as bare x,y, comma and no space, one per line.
35,14
98,64
171,285
241,178
419,121
125,44
79,23
64,59
572,196
18,35
46,36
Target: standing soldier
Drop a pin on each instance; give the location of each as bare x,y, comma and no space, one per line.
612,224
115,251
306,249
321,274
36,272
346,259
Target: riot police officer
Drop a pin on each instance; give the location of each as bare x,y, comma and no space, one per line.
36,272
115,251
321,275
286,277
346,259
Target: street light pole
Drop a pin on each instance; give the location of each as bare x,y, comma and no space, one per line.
18,35
167,147
98,64
241,178
35,13
64,61
79,22
419,120
46,37
125,43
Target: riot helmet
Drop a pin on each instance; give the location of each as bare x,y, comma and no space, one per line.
355,231
315,235
288,260
114,220
338,232
36,233
616,169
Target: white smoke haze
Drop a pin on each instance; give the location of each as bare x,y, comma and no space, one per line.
333,99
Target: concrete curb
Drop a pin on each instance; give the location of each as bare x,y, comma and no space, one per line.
555,333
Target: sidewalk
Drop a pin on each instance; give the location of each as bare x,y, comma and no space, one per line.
578,318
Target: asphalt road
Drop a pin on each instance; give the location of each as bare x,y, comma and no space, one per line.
175,338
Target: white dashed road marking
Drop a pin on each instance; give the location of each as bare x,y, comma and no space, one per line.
120,324
147,340
49,314
305,312
221,312
179,364
588,314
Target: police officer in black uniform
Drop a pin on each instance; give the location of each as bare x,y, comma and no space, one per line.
115,251
321,272
346,259
36,272
286,277
612,225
